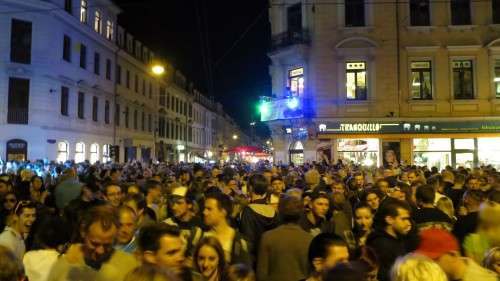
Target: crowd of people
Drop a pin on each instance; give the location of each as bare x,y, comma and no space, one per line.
236,222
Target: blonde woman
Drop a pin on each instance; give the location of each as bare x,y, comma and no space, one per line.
413,267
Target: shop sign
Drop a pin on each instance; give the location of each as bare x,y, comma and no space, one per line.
410,127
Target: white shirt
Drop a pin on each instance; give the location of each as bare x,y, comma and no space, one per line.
38,264
13,241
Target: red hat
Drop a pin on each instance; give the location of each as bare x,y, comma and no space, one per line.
436,242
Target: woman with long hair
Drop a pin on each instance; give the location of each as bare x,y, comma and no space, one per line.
209,259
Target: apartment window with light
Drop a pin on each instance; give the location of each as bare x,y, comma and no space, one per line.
355,13
420,13
496,79
94,153
110,30
84,11
356,80
67,48
105,153
95,109
460,12
463,79
421,80
64,100
97,21
81,105
296,81
62,151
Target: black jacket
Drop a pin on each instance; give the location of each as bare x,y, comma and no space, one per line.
255,219
387,248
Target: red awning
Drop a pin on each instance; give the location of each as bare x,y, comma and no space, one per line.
248,148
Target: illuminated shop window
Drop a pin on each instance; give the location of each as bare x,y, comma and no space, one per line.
296,81
94,153
80,152
432,152
359,151
421,80
496,79
62,151
489,152
356,80
105,153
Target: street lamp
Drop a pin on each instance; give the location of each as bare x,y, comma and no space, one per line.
235,137
158,69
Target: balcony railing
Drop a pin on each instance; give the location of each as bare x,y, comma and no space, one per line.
289,38
17,116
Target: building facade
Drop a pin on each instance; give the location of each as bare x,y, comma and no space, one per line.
73,83
370,81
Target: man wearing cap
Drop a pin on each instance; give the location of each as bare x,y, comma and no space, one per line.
441,246
314,220
184,217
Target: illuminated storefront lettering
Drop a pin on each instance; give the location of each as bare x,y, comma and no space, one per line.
360,127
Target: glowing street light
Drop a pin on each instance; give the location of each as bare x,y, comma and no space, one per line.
158,69
235,137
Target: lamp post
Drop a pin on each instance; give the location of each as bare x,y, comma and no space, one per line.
158,70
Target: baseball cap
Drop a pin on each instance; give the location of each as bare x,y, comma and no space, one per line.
436,242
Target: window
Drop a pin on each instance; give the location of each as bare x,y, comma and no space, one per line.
95,109
136,83
94,153
432,152
67,48
127,79
460,12
135,119
110,30
18,104
463,79
97,63
68,6
421,80
150,89
118,74
162,96
105,153
294,18
356,80
161,126
359,151
84,10
117,114
64,100
354,13
80,152
420,13
20,42
496,79
97,22
143,121
62,151
106,112
83,56
150,123
126,117
296,81
108,69
81,105
495,8
144,87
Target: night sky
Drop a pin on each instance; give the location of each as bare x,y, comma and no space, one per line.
174,29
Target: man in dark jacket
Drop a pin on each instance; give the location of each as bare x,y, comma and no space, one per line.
428,216
314,220
258,217
389,240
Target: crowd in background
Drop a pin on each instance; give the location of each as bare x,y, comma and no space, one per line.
314,222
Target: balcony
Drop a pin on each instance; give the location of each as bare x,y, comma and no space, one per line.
290,38
17,116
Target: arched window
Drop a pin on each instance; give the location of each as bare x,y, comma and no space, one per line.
94,153
62,151
105,153
80,152
297,153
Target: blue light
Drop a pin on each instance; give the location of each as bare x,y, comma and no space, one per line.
292,103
